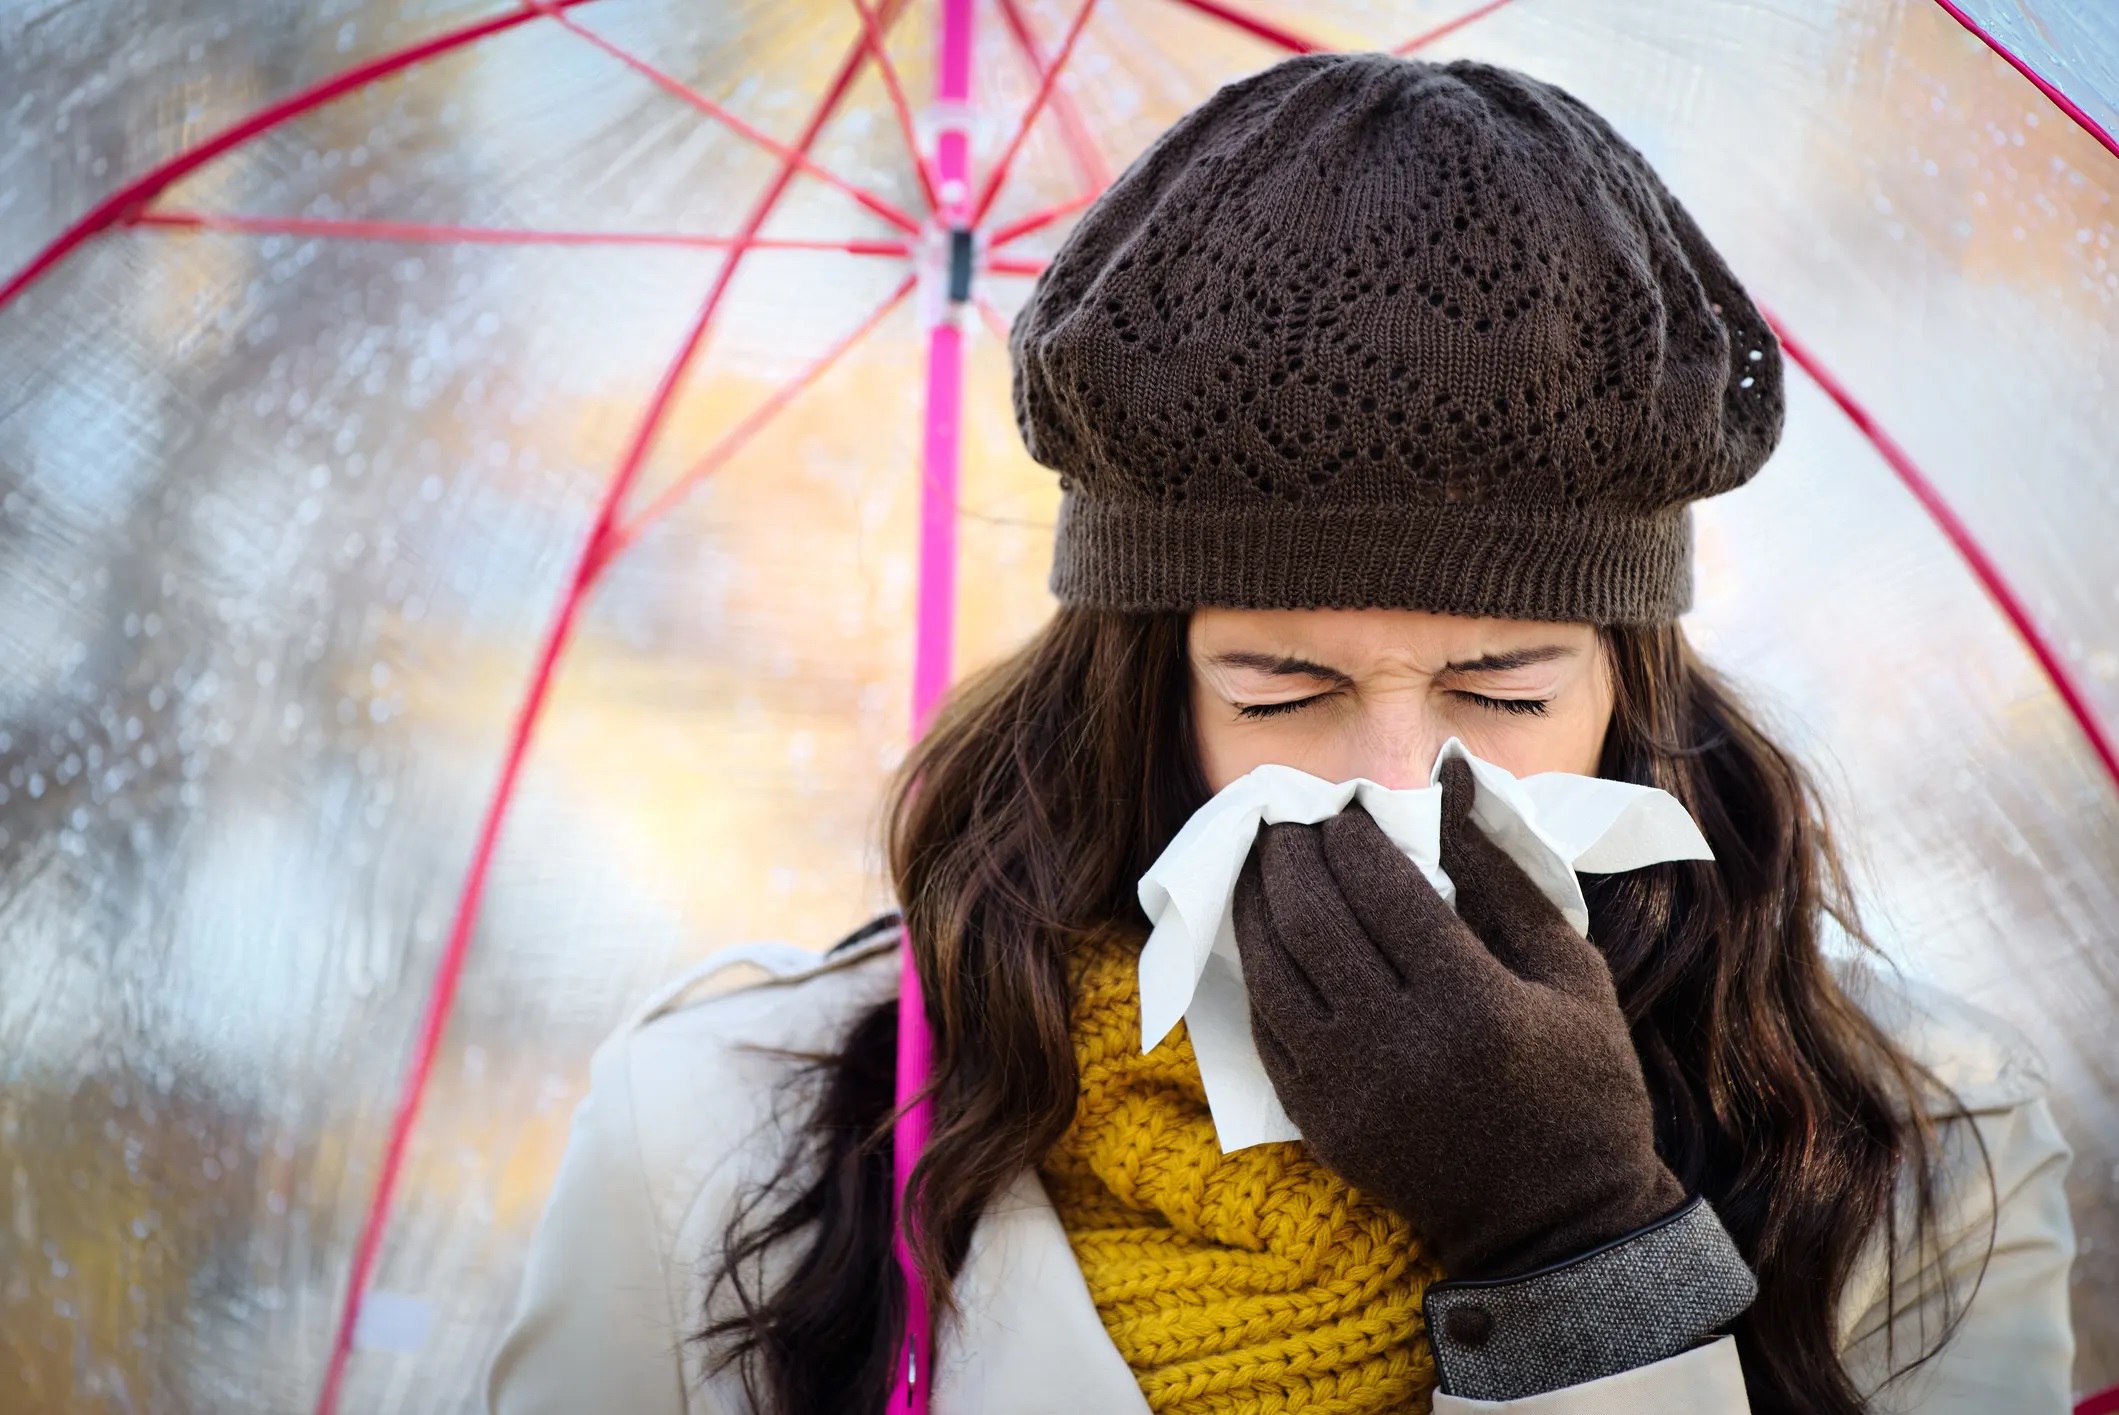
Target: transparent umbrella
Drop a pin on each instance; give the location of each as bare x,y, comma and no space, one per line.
487,490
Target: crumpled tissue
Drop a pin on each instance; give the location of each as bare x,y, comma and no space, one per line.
1553,824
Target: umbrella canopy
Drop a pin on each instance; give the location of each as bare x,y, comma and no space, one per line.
487,490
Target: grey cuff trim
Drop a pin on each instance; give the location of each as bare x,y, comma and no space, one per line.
1646,1296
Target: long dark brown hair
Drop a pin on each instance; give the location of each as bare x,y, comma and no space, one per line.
1046,786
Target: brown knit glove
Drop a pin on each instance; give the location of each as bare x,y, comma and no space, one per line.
1474,1073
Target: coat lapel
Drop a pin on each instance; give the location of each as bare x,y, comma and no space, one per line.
1030,1339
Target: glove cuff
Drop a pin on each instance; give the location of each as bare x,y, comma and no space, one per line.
1640,1298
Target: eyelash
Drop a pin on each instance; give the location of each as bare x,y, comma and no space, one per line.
1535,707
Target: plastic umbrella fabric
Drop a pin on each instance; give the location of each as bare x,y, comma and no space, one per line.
386,388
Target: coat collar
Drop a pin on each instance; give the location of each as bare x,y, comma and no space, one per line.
1030,1338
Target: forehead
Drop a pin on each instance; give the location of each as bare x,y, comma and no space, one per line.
1343,638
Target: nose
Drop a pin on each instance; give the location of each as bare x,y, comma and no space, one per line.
1399,756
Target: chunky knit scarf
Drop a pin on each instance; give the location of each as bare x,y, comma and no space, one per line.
1246,1283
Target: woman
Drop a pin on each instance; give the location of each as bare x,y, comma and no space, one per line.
1379,392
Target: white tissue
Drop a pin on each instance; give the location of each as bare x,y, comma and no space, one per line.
1552,824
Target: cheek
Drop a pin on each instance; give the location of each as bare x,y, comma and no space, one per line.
1229,746
1570,737
1226,749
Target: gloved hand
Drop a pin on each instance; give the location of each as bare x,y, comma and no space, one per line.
1473,1073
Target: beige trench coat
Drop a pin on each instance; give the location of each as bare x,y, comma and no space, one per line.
669,1133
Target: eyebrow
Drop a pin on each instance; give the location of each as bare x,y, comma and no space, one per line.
1286,666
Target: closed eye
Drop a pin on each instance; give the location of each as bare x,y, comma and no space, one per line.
1535,706
1256,710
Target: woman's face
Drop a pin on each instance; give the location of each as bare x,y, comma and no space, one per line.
1341,693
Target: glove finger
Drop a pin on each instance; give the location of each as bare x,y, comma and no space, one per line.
1426,945
1501,904
1277,1056
1277,988
1311,917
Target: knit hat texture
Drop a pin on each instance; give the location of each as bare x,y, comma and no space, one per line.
1366,330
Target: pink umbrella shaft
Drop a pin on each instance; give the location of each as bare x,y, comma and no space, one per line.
940,456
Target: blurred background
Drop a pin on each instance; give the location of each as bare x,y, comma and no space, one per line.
286,508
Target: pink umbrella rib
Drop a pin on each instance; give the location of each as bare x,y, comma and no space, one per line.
449,971
1448,27
996,323
1089,164
150,184
881,53
1255,26
737,437
594,556
1038,221
2103,1402
1045,86
412,232
889,211
2060,100
1960,535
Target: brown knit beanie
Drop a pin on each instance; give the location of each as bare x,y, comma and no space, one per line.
1362,330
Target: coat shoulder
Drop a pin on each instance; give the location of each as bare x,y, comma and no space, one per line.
687,1107
790,993
1988,1061
1991,1269
702,1023
704,1067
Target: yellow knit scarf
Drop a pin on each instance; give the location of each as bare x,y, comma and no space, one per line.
1246,1283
